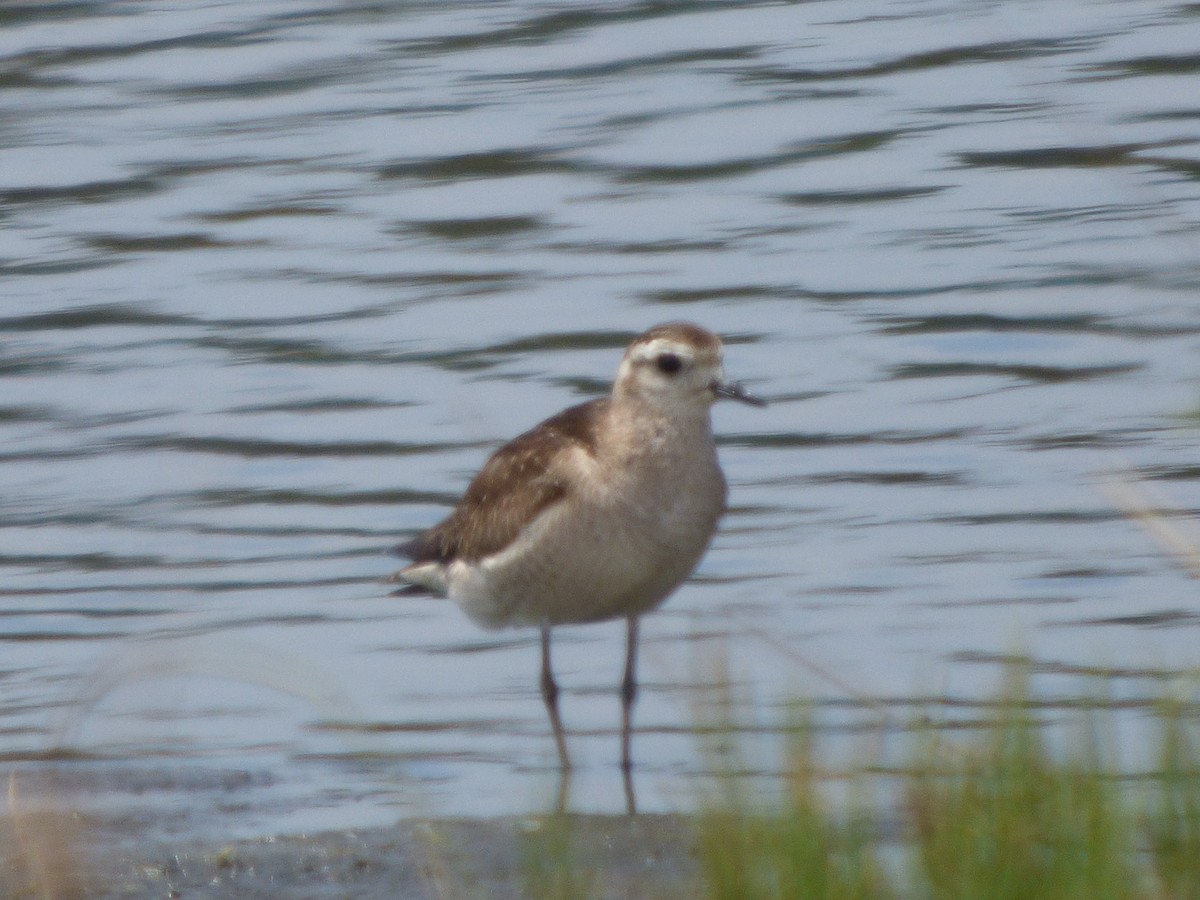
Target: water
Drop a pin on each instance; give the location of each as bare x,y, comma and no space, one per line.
277,276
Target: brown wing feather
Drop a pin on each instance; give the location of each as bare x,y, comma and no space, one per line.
516,484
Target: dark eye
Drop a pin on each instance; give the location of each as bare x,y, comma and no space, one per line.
668,363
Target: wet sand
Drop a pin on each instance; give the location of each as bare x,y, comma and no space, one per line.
602,856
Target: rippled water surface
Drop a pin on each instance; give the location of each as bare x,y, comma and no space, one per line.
278,275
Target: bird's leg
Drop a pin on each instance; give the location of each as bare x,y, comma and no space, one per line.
550,696
628,696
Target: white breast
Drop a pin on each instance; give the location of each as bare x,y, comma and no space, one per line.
617,547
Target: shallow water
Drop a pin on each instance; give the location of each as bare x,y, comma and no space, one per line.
278,276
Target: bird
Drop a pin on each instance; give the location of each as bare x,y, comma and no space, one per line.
600,512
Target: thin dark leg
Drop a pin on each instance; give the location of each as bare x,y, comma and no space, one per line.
628,696
550,696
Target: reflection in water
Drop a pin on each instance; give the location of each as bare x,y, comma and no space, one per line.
278,277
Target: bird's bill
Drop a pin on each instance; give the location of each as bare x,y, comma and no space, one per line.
732,390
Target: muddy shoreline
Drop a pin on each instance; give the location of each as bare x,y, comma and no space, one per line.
602,856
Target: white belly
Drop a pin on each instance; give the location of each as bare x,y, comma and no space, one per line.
615,554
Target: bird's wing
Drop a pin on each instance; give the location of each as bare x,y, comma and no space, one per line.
519,482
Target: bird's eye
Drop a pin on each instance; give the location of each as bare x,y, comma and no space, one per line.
668,363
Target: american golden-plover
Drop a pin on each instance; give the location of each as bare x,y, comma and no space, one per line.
597,513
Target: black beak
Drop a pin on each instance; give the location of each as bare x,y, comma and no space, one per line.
734,391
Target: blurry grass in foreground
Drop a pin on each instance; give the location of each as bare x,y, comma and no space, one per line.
994,816
997,816
1009,810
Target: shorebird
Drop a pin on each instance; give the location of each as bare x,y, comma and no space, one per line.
598,513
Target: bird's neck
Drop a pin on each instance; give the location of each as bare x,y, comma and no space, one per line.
640,428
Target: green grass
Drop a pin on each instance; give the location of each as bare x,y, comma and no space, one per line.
992,814
799,847
1173,819
1005,820
551,868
